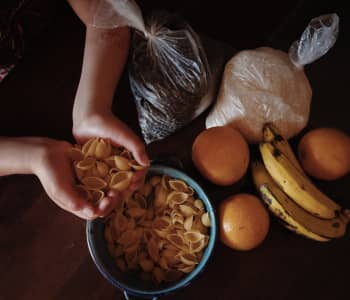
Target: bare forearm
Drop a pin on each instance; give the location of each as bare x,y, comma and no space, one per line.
17,155
103,63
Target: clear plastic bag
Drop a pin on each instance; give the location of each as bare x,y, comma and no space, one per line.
168,69
269,85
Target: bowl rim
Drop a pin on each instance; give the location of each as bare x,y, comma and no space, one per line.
175,173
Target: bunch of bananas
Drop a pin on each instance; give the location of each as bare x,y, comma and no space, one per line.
291,196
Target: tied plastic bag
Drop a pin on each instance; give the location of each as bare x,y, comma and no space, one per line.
269,85
168,69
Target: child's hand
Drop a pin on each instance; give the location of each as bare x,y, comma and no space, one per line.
52,165
110,127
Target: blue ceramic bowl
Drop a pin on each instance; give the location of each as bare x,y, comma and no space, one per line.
132,285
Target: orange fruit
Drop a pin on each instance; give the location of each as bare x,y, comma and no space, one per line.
221,155
324,153
243,222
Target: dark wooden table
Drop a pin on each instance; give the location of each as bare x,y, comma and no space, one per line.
43,252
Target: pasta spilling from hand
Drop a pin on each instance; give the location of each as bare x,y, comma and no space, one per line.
100,167
160,231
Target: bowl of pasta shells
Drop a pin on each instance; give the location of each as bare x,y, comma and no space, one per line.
158,238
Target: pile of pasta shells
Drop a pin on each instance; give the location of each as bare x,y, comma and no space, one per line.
160,231
100,167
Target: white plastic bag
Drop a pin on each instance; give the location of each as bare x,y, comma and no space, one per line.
268,85
168,69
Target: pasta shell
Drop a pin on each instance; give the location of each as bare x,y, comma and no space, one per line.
126,153
176,198
147,265
161,223
120,181
132,203
188,259
94,183
120,222
197,225
146,189
199,246
96,196
165,182
140,199
205,219
176,240
127,238
121,163
102,168
148,235
193,236
79,173
187,269
178,185
110,161
135,166
103,149
155,180
178,219
86,163
160,196
153,250
89,147
132,248
170,254
186,210
75,154
161,233
163,263
131,224
199,204
188,223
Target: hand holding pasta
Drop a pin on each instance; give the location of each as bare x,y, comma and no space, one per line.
160,231
107,126
102,169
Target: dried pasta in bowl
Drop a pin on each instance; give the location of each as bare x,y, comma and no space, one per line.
159,232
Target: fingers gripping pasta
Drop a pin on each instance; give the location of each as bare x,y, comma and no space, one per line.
160,231
100,167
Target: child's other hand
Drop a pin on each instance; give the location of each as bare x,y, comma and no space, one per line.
53,167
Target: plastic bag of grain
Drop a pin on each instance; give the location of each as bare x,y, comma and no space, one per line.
269,85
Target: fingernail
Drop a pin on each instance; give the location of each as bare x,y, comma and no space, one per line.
88,212
104,204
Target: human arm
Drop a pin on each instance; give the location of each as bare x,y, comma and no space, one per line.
50,161
105,55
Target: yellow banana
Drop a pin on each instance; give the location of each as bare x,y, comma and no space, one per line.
297,185
295,217
273,136
286,219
